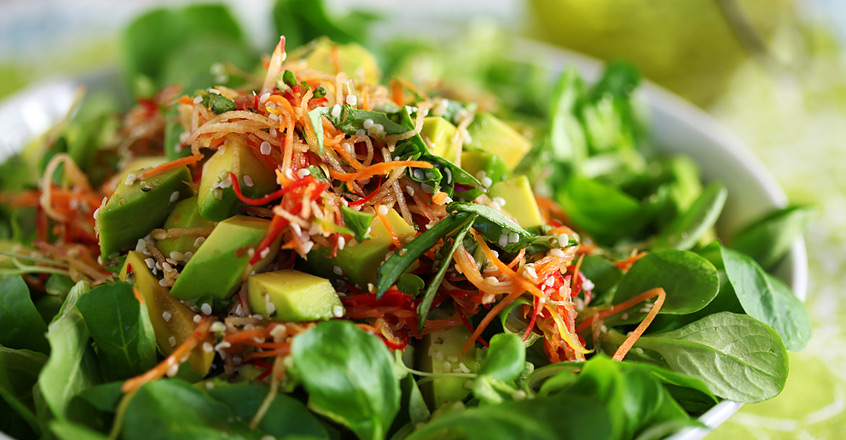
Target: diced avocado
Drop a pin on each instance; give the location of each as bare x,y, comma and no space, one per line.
438,133
519,200
355,60
170,318
223,261
440,352
135,210
494,136
291,295
216,198
477,161
185,214
360,262
135,167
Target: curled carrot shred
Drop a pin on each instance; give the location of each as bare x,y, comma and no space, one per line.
633,336
170,165
379,168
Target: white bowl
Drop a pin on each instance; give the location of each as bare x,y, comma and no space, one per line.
676,127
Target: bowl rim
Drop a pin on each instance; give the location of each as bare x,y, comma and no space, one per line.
33,110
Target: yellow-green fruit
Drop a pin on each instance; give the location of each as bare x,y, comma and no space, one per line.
291,295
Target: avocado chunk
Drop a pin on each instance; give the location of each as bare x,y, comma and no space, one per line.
223,261
438,133
360,262
291,295
138,206
494,136
440,352
170,318
216,198
185,214
355,60
519,200
477,162
135,167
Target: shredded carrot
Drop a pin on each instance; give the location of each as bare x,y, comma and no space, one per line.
576,271
394,239
170,165
396,93
379,168
185,99
518,258
173,360
617,308
627,263
633,336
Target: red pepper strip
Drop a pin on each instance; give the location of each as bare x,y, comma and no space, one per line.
236,186
470,327
276,227
535,313
364,200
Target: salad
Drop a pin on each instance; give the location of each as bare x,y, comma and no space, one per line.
304,247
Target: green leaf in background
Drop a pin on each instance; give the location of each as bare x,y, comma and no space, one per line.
602,273
410,284
768,299
691,282
358,222
574,417
286,416
172,408
349,376
304,20
121,328
769,239
690,226
737,356
602,210
22,325
65,430
105,397
18,374
72,366
505,359
157,44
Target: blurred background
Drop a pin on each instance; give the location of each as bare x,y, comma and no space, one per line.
772,71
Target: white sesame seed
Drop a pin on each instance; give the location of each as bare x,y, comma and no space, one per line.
222,345
151,263
172,370
273,132
491,280
265,148
383,210
273,117
198,318
513,237
264,253
352,100
481,175
198,99
499,201
337,270
557,253
367,123
338,311
563,240
172,341
217,327
207,347
278,332
140,245
199,241
410,190
206,309
270,307
160,235
214,91
166,315
248,181
167,267
588,284
529,272
307,246
177,256
487,182
163,282
264,96
341,242
303,172
130,179
336,111
174,196
503,239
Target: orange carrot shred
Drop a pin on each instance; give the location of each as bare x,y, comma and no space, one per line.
379,168
170,165
633,336
384,219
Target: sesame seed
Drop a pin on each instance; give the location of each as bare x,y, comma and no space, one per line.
273,132
206,309
217,327
264,96
177,256
198,318
248,181
279,332
341,242
367,123
172,370
273,117
172,341
167,267
338,311
214,91
174,196
130,179
199,241
557,253
151,263
588,284
452,358
487,182
307,246
140,245
198,99
207,347
222,345
336,111
265,148
264,253
503,240
513,237
499,201
481,175
383,210
410,190
337,270
352,100
491,280
163,282
563,240
270,307
166,316
303,172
